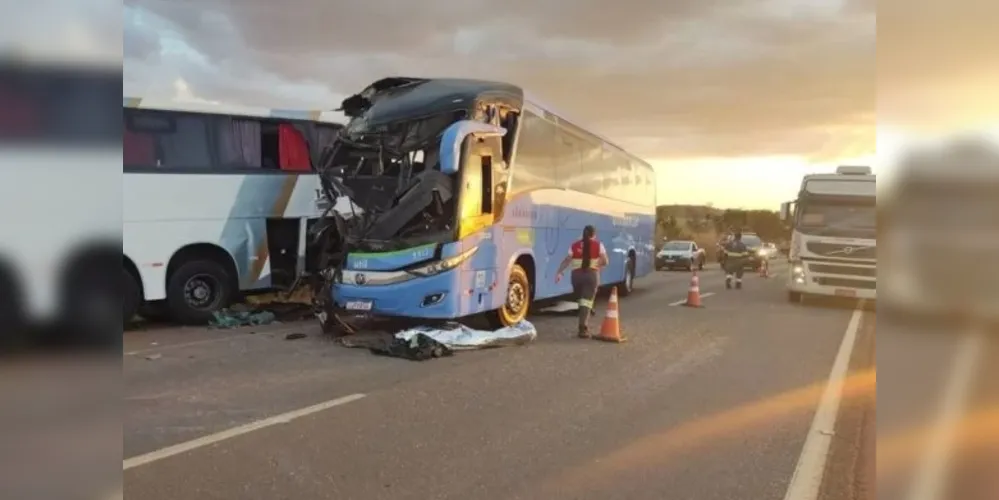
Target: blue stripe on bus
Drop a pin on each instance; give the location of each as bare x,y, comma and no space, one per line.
245,229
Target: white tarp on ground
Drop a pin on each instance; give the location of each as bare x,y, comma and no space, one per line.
461,337
561,307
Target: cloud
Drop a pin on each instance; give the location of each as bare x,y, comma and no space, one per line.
685,78
936,63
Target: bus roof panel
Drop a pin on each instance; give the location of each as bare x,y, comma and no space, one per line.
424,97
227,109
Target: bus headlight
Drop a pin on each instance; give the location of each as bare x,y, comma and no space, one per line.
440,266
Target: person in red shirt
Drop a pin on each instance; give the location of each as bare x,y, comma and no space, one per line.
586,256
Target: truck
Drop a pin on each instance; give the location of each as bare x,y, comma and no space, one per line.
833,224
939,229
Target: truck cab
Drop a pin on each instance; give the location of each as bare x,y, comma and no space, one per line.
833,244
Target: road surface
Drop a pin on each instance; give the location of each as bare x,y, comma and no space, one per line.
724,402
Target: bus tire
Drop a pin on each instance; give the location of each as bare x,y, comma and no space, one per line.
197,289
12,315
795,297
132,298
517,304
628,285
88,302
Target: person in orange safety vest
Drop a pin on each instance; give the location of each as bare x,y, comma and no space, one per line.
586,256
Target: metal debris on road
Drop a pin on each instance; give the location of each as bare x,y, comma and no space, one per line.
230,318
295,336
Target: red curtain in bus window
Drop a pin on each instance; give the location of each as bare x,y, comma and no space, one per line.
293,149
138,149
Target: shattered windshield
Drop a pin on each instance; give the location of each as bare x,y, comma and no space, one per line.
391,171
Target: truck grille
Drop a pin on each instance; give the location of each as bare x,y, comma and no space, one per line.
867,272
842,251
846,283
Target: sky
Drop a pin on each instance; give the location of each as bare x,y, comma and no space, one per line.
731,100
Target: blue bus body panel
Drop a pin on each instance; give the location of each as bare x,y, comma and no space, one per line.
537,226
388,261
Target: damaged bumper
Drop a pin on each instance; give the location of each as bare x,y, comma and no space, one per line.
430,297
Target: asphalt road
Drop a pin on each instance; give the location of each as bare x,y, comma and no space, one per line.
712,403
938,413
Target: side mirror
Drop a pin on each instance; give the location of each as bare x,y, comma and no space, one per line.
785,211
453,137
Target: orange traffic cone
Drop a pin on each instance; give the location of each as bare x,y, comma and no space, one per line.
694,294
610,330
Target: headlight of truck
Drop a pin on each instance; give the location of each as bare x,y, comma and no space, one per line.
798,272
440,266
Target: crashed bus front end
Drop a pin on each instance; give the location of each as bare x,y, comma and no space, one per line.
397,250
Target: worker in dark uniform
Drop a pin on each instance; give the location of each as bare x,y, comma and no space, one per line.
736,254
586,256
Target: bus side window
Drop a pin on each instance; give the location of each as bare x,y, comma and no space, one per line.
166,139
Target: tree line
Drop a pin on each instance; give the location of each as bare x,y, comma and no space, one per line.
690,223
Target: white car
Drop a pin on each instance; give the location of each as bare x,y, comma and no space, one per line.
680,253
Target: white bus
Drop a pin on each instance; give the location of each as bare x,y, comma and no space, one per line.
834,233
217,200
60,199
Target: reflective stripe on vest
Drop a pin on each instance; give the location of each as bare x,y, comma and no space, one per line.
577,253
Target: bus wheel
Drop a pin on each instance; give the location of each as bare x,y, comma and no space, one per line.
88,302
132,298
197,289
628,285
518,300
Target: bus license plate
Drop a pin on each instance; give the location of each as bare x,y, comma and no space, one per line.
359,305
846,292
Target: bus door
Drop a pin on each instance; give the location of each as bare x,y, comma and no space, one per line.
482,189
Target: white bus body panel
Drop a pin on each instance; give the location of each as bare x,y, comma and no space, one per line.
56,203
167,212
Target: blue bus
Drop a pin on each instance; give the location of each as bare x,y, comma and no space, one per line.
469,195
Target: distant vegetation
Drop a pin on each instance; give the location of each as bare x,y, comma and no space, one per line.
705,224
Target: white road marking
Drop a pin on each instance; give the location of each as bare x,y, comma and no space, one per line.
169,347
931,477
211,439
684,301
807,478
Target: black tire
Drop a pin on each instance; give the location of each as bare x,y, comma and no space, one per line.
13,333
197,289
88,305
132,298
517,305
795,297
628,285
